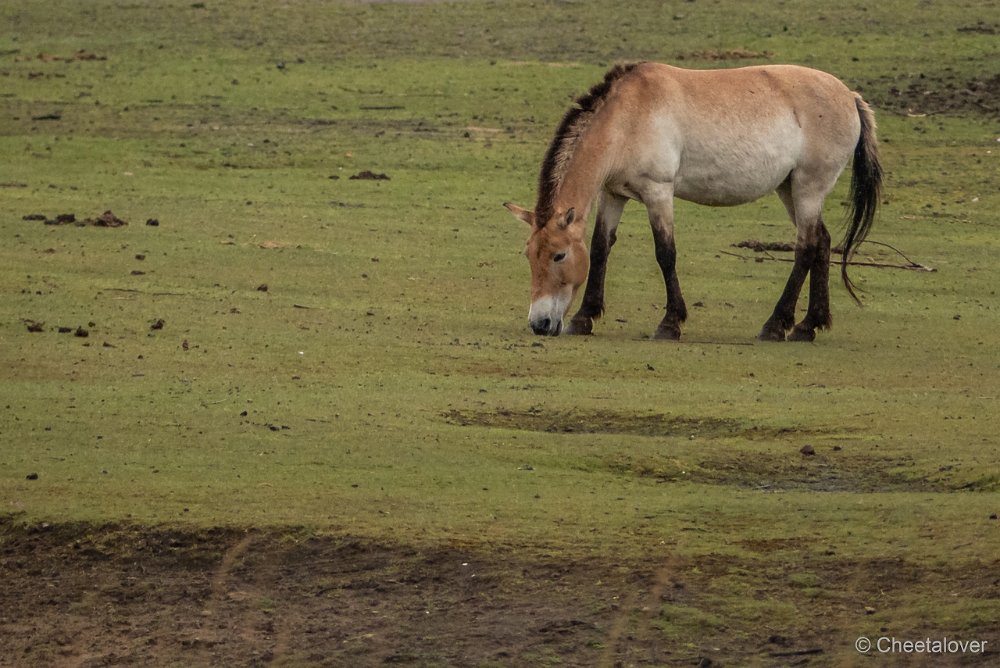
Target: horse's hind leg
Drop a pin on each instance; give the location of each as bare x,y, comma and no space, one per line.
818,314
609,214
783,317
812,256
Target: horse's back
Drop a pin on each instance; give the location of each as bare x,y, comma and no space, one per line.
754,124
720,97
751,85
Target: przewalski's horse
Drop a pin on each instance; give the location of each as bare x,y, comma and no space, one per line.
652,132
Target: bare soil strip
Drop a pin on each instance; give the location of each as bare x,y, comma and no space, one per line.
79,595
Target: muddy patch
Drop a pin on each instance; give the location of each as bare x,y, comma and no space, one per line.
121,595
89,595
609,422
823,471
826,470
814,459
930,94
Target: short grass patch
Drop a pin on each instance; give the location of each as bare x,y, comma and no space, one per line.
307,348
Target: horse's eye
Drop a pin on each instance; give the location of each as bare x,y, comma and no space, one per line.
559,257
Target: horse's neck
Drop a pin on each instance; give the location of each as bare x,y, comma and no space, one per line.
587,171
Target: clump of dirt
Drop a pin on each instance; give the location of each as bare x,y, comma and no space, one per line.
762,246
106,219
368,175
81,55
79,331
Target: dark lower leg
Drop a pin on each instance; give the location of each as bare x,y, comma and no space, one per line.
783,317
592,306
818,313
666,257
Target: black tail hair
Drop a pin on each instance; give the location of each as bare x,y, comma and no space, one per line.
866,190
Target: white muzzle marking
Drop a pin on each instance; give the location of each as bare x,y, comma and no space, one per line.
546,314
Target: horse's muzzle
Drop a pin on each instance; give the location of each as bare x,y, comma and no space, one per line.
545,327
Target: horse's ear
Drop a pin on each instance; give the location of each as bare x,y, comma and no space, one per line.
569,218
520,213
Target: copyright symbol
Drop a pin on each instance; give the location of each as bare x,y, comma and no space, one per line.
863,645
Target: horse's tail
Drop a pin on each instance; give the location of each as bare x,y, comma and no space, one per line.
866,190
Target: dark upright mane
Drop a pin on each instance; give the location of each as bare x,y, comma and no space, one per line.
553,166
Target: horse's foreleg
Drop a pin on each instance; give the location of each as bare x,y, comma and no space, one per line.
818,314
661,219
609,214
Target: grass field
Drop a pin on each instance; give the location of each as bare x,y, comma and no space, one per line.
307,405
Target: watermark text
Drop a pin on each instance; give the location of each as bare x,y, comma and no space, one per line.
944,645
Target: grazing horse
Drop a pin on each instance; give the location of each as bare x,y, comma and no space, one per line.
653,132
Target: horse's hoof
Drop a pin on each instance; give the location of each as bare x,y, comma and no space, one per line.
581,327
771,334
798,334
667,333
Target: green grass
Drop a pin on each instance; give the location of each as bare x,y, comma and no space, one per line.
329,400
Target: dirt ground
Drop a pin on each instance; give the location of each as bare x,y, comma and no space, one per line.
928,95
75,595
79,596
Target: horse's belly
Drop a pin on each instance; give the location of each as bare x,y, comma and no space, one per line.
728,187
728,178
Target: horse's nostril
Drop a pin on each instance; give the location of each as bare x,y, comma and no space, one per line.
541,326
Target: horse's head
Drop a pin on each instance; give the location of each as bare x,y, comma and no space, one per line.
559,262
